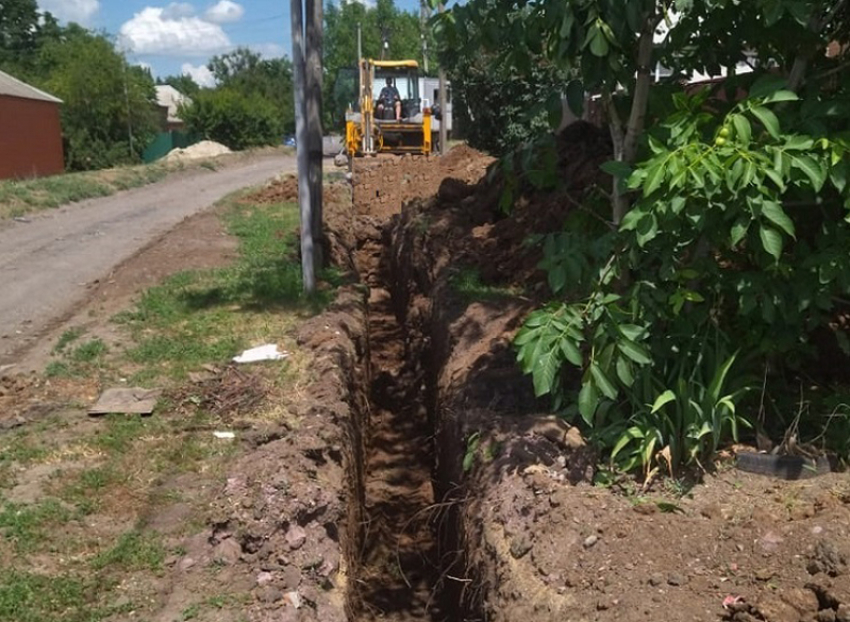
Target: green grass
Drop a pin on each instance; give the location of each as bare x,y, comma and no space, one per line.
76,362
69,336
467,283
19,197
29,597
25,526
134,550
208,316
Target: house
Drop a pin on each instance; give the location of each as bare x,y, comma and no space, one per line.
169,100
30,131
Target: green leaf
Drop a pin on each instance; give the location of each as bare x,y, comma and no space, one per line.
663,399
598,43
654,177
647,229
814,171
743,129
588,400
571,352
605,385
624,371
615,168
781,96
543,375
634,351
739,230
767,119
771,240
775,214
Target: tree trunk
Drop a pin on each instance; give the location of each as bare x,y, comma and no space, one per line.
642,84
308,271
313,103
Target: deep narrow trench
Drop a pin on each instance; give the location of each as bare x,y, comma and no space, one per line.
399,573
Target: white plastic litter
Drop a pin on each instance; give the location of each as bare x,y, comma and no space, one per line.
224,435
261,353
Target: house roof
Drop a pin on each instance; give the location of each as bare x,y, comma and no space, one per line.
169,97
15,88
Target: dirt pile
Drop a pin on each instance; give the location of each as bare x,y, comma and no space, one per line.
198,151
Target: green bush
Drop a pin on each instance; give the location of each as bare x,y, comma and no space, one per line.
236,120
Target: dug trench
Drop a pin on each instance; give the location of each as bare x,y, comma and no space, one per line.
473,503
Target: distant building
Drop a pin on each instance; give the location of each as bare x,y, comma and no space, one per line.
169,101
30,131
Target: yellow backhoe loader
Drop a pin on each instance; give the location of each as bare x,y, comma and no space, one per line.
398,122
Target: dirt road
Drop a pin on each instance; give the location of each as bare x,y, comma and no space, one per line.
47,263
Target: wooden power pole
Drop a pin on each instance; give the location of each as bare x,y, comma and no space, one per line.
306,62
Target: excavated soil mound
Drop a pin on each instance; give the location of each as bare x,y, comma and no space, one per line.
526,534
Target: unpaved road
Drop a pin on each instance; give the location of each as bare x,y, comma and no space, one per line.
47,263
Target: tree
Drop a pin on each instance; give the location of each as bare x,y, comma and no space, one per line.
233,118
23,29
726,244
269,79
183,83
107,104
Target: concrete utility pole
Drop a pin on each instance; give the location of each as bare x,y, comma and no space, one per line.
313,103
424,15
444,135
308,268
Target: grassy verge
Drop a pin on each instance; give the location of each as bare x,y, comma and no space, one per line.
97,491
19,197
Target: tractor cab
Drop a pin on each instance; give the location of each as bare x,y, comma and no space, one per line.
404,76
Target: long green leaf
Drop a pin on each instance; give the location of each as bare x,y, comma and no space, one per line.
605,385
767,119
588,400
743,128
663,399
775,214
634,351
771,240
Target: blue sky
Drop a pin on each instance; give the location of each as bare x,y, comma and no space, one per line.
179,37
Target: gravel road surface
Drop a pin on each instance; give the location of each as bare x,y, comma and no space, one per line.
47,263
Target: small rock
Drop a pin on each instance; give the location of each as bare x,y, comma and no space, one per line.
184,564
740,547
772,608
294,599
591,540
264,578
817,530
803,600
764,574
227,552
656,579
269,594
291,577
675,579
842,614
296,537
520,546
826,615
770,541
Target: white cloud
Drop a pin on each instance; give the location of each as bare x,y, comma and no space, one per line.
176,10
268,50
157,30
225,11
80,11
200,74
